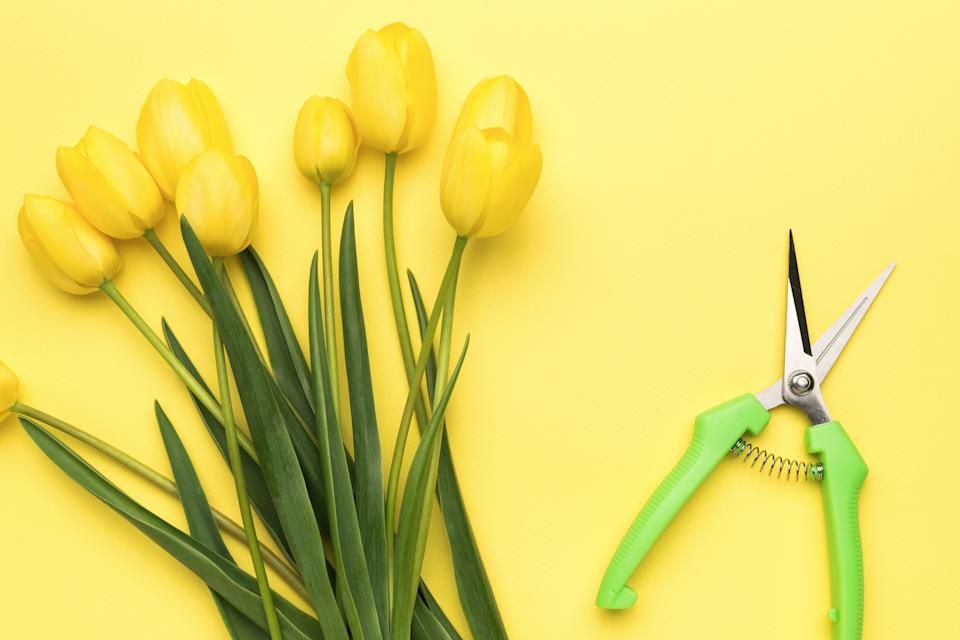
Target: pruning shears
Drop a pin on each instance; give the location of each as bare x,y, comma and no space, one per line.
719,432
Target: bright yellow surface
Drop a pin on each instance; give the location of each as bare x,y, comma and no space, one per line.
644,284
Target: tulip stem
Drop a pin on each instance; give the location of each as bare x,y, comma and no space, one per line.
192,384
393,276
168,486
236,465
329,309
161,249
414,392
446,335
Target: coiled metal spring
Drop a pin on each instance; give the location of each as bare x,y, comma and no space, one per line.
770,462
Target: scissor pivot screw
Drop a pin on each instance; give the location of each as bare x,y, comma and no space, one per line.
801,383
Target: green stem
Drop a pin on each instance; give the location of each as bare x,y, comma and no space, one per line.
236,465
443,354
161,249
414,392
329,310
288,574
193,385
393,276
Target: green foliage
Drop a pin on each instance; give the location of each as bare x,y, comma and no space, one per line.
310,493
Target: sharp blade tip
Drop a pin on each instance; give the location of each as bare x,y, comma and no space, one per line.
882,278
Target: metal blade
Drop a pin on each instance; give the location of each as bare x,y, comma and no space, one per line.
801,382
796,313
830,345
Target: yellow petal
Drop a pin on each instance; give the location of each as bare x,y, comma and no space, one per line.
517,171
219,195
421,87
249,195
325,140
215,124
100,203
177,123
465,182
44,262
498,103
338,143
67,249
378,87
141,198
306,137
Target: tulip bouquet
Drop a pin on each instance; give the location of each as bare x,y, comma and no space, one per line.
316,509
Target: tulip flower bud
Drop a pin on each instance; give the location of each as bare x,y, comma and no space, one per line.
69,251
178,122
394,88
219,195
9,391
111,187
325,142
491,167
497,103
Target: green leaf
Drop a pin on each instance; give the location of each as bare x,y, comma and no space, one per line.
436,611
256,485
235,585
286,357
473,585
425,625
415,512
368,466
271,438
341,508
304,442
202,525
286,353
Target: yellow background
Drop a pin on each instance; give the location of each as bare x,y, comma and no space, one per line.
644,283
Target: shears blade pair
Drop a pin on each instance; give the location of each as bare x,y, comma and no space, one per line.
828,346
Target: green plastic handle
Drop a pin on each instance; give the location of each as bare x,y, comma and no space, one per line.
715,432
844,473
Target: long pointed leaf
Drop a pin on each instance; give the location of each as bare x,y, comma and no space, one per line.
368,466
426,626
256,485
279,461
473,585
415,512
282,343
235,585
202,525
436,611
286,357
304,442
342,510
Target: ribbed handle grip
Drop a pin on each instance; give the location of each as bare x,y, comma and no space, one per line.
715,432
843,476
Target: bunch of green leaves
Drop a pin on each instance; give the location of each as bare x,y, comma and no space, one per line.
310,493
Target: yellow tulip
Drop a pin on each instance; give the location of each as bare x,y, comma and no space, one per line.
491,167
325,142
394,88
497,103
111,187
219,195
178,122
9,391
69,251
